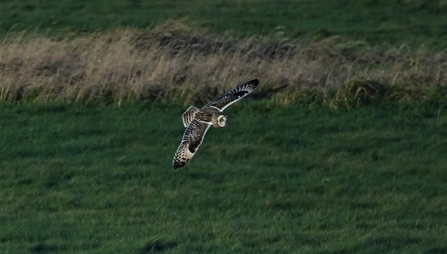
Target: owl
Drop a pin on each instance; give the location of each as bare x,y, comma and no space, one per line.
198,121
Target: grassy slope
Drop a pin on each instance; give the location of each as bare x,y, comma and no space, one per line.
289,179
375,21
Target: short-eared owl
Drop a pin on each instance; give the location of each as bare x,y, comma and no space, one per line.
197,121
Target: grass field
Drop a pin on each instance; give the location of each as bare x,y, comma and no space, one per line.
377,22
286,179
341,149
341,42
175,62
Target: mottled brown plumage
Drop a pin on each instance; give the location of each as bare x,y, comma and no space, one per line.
189,115
197,121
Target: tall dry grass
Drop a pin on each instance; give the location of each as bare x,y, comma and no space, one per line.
176,63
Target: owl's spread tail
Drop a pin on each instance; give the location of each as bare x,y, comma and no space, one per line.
189,115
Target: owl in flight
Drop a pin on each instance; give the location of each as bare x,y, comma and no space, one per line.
198,121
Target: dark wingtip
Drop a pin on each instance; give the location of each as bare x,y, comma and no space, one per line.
178,165
254,81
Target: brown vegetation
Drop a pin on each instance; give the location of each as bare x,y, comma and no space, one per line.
175,63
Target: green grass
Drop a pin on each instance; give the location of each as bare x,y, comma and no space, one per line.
368,177
378,22
286,179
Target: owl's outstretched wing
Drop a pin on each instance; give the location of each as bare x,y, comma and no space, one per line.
192,138
234,95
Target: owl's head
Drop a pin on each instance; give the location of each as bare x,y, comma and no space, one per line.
222,120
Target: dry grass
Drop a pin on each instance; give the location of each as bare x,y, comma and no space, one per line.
176,63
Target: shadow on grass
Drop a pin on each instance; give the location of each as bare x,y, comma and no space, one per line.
440,250
44,248
157,247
